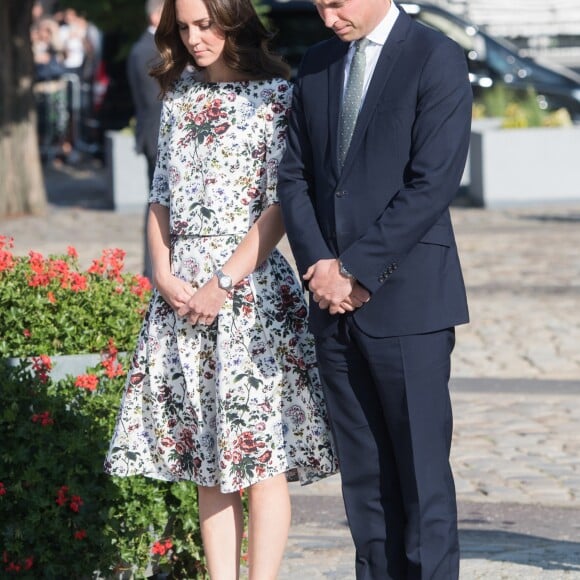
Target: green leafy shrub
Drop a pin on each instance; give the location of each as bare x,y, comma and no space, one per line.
51,306
60,515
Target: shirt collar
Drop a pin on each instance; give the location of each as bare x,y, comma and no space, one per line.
380,34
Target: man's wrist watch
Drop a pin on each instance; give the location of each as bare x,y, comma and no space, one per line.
344,272
224,281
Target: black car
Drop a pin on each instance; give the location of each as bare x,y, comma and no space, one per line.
491,61
296,26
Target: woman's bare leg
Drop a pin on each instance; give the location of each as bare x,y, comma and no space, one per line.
222,524
269,523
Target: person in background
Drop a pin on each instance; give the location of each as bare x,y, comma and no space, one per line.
82,47
223,389
49,88
73,34
37,11
145,93
377,142
47,50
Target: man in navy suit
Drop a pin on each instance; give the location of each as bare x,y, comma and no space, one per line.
369,225
145,93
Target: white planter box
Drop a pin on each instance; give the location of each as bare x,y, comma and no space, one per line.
477,125
64,364
128,185
515,166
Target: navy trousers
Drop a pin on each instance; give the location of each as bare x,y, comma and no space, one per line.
390,411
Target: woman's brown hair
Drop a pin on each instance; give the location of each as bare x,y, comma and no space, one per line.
246,48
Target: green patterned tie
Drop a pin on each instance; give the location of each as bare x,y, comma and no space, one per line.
352,98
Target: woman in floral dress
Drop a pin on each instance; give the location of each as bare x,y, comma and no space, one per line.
223,389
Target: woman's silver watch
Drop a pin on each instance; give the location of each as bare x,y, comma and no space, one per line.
224,281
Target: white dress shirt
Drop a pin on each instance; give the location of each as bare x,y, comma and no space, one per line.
377,39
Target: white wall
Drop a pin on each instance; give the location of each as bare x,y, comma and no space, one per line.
520,17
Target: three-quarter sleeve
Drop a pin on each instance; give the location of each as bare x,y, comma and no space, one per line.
159,192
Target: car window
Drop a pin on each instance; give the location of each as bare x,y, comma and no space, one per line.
497,55
510,66
465,37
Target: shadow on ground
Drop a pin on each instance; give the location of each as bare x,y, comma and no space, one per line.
498,546
546,537
563,218
83,185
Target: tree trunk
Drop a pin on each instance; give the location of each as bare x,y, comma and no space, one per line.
21,180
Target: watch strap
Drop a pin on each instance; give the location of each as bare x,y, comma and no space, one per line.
344,272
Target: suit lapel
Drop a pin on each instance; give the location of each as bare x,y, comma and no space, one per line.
388,57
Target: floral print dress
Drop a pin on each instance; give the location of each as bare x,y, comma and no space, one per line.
238,401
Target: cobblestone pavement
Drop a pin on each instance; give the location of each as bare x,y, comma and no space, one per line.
515,383
522,269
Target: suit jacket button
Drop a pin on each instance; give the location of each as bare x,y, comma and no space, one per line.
341,193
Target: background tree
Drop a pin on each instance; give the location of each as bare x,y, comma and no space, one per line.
21,183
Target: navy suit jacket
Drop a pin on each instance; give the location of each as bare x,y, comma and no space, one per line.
386,213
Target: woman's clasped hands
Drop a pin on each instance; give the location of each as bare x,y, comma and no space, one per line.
199,305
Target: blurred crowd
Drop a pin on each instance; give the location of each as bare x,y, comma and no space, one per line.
67,51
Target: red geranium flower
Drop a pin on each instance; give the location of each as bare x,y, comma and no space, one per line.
6,258
62,495
88,382
161,547
76,501
41,366
43,418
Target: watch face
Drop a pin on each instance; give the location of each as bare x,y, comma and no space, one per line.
225,282
344,272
